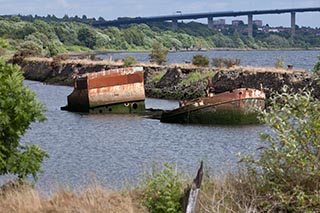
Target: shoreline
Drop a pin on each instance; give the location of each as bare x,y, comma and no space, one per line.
103,52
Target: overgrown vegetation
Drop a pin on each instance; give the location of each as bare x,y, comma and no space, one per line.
225,62
18,108
200,60
164,191
129,61
316,67
279,63
287,171
158,53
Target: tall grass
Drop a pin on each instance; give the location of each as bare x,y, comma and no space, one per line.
93,198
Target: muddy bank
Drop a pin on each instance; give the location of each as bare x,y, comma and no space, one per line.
175,81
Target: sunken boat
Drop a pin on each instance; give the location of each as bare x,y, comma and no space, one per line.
238,106
108,91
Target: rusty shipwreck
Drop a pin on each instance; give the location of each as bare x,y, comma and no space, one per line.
108,91
237,106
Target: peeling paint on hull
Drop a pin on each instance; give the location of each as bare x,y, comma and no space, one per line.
234,107
108,91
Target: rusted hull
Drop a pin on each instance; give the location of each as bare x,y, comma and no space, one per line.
236,107
116,88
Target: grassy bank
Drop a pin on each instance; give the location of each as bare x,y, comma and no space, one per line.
231,193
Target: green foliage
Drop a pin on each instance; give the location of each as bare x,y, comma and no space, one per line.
128,61
3,46
76,31
276,41
279,63
32,46
288,168
192,77
316,67
200,60
157,77
164,191
158,53
18,108
87,37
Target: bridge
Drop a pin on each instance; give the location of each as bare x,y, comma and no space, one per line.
209,16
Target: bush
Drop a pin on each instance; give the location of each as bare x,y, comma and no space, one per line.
288,168
128,61
200,60
279,63
225,62
158,53
20,55
316,67
18,108
164,191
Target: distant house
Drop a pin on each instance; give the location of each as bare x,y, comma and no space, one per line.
237,22
257,22
219,22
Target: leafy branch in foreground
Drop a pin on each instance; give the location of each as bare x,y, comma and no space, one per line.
288,168
18,108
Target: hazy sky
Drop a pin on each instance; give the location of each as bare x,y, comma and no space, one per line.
112,9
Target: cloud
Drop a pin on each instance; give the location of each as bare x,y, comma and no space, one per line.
62,3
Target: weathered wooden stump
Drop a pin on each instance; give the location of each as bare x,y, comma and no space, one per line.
191,194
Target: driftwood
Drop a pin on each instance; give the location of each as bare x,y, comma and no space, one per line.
189,201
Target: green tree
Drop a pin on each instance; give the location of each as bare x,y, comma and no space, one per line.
18,108
200,60
87,37
158,53
287,170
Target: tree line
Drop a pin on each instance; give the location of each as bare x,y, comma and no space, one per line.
50,36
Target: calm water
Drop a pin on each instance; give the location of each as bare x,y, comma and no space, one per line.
300,59
116,149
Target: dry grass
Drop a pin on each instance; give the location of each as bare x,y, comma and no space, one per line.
92,199
260,69
231,193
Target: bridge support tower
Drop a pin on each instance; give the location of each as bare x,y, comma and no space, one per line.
293,24
250,25
174,24
210,22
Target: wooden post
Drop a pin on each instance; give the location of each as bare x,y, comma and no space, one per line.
191,193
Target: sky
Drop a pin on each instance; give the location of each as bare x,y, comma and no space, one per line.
112,9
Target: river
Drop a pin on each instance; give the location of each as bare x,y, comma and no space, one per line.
116,149
300,59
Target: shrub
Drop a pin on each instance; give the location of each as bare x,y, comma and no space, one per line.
56,60
288,168
200,60
20,55
192,77
279,63
158,53
18,108
225,62
164,191
128,61
316,67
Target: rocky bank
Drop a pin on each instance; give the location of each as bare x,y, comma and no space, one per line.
175,81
